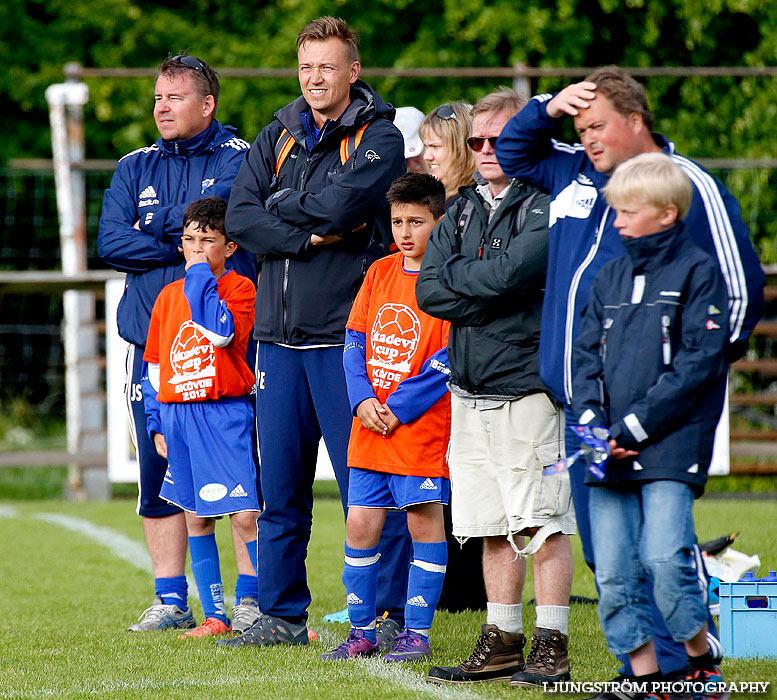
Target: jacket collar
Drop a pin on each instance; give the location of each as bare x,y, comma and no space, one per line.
365,106
653,251
203,141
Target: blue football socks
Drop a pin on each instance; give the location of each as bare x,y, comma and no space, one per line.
207,574
246,587
173,590
424,584
360,578
253,555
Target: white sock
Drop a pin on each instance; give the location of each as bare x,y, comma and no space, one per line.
507,618
553,617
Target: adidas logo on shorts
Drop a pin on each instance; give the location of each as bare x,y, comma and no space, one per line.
428,485
353,599
418,601
238,492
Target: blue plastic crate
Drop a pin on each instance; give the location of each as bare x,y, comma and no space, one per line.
748,619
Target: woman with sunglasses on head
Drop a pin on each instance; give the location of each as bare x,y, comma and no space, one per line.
444,132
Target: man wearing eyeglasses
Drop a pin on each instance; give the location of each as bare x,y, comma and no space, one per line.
310,199
484,271
140,234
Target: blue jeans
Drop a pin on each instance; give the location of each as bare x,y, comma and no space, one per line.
642,535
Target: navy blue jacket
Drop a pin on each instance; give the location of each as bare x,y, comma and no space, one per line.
651,358
153,186
305,292
583,238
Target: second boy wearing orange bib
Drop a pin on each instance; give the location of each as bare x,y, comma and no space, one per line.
398,354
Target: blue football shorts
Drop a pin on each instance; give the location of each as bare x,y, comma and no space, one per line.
211,469
373,489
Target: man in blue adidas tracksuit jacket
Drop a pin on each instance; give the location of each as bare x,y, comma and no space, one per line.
310,199
611,115
140,234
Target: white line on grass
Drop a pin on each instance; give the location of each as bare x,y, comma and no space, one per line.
135,554
401,675
397,674
110,688
120,545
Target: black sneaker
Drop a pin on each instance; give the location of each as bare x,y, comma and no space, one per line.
268,631
385,631
496,657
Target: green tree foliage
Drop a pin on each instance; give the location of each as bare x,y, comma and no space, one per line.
706,117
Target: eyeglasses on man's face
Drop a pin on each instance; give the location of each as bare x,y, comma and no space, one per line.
476,143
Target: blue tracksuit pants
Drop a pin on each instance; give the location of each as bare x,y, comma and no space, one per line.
301,395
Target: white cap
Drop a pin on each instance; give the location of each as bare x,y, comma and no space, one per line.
407,120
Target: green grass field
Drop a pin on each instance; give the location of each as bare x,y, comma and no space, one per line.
75,575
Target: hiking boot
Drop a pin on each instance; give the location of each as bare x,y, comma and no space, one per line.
267,631
244,614
356,644
161,617
386,630
496,657
409,646
211,627
548,659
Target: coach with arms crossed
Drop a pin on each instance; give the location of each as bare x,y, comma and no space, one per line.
612,117
140,234
310,198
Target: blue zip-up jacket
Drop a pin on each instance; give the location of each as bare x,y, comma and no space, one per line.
306,292
153,186
583,238
651,358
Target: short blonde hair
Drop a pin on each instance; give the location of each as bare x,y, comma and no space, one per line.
653,178
328,27
453,132
503,99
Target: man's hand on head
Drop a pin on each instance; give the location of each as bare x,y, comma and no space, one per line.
572,98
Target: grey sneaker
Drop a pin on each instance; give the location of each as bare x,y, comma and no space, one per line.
161,617
386,630
244,614
267,631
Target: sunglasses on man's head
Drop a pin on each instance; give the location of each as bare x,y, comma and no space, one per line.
476,143
445,112
189,62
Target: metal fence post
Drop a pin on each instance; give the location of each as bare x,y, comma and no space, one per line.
85,403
